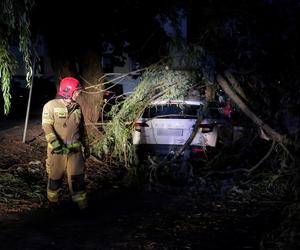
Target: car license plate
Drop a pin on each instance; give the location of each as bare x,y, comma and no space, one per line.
169,132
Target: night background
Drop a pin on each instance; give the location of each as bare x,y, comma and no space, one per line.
243,194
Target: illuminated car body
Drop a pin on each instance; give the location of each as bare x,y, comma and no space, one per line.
166,125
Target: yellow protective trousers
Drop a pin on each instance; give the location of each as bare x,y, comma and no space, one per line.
71,164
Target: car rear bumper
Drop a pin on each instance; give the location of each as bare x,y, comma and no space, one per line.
190,152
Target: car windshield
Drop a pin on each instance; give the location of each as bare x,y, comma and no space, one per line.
171,110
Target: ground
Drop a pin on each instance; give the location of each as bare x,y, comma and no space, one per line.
200,215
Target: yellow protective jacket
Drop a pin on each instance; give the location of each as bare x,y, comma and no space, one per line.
64,121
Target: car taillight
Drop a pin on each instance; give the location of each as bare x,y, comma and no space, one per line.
139,125
206,128
107,93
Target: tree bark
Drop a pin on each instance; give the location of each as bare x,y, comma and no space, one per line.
62,69
91,100
235,84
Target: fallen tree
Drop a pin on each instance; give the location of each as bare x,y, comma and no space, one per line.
234,96
158,82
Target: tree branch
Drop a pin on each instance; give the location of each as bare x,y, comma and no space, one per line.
238,101
248,171
235,84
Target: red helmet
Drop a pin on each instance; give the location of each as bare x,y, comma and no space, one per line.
67,87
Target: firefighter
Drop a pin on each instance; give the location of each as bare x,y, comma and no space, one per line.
68,146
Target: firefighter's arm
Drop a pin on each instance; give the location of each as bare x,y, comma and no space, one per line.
47,125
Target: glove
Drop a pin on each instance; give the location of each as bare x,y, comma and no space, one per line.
56,147
65,150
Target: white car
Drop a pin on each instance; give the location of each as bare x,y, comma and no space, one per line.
166,125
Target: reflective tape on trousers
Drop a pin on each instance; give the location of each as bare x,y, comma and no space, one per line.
53,195
79,197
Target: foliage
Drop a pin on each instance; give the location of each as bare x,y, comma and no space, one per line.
25,41
158,82
10,189
14,22
7,67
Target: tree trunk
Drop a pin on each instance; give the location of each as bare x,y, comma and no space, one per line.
91,100
235,85
62,69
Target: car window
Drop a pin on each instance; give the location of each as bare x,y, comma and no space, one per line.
171,110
